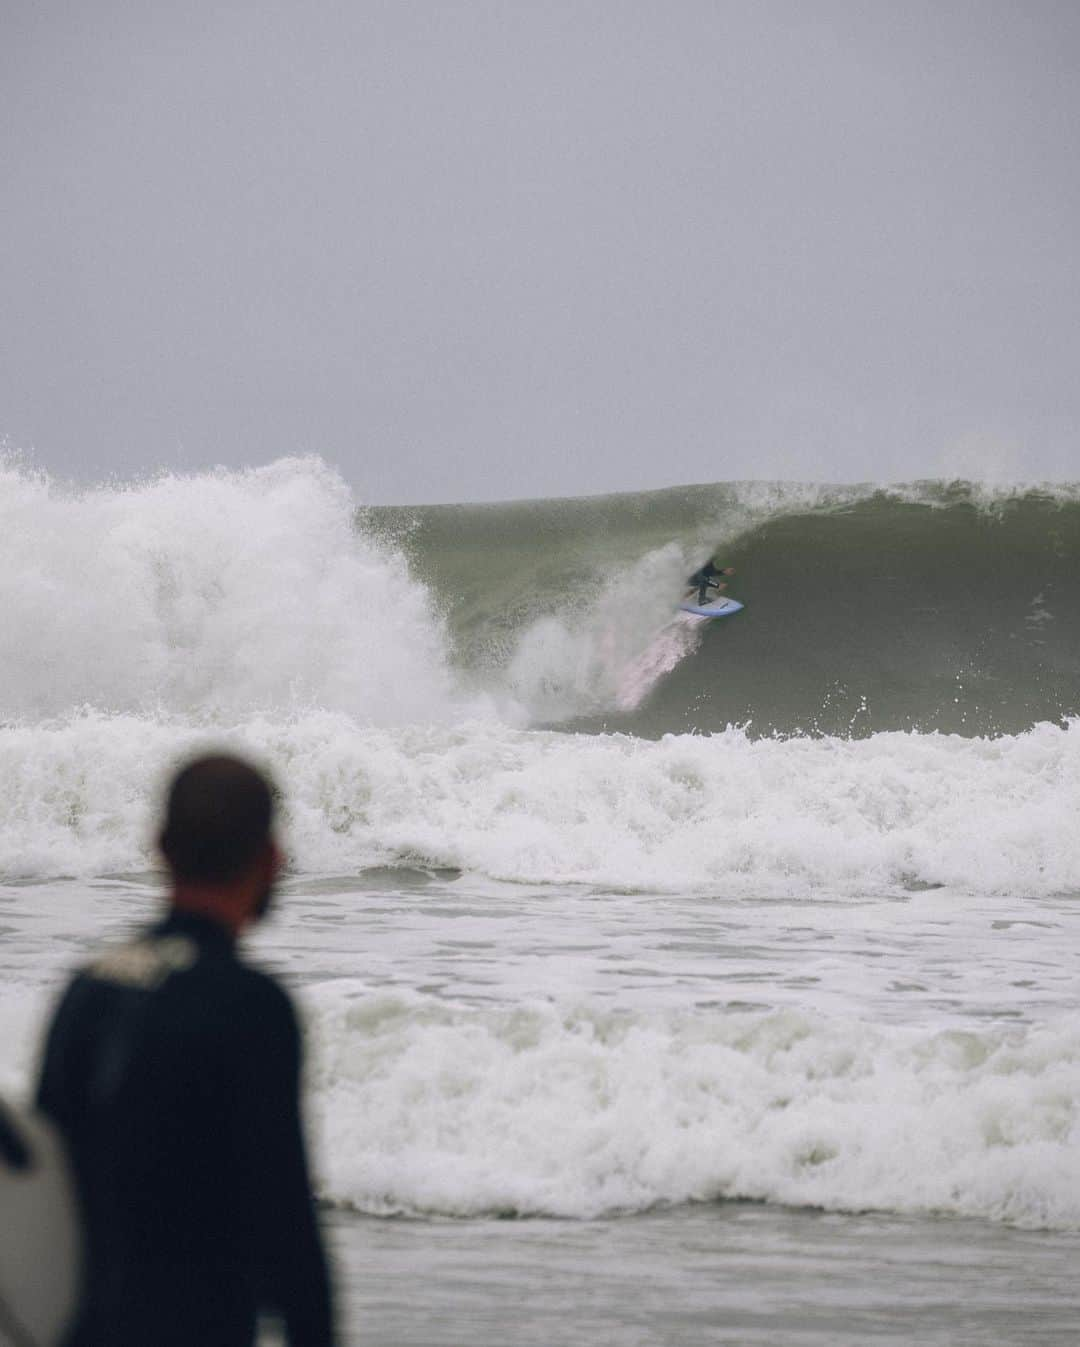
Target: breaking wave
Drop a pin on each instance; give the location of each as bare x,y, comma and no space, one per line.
429,1106
723,813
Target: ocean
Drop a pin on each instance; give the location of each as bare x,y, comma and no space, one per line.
664,981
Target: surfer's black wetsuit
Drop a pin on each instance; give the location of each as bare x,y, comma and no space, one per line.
173,1071
704,579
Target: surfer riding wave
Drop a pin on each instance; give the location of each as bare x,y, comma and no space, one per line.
708,577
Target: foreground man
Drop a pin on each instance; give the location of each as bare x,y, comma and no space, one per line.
172,1070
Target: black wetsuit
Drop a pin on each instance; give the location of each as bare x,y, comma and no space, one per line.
173,1071
704,579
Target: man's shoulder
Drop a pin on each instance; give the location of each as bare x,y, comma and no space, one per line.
262,989
176,965
249,995
143,963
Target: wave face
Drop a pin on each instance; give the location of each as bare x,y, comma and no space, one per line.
943,607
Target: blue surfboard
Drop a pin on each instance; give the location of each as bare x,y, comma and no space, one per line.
714,608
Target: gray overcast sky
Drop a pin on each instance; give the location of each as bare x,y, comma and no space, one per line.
470,249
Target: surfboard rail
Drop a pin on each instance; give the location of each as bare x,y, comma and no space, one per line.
40,1237
714,608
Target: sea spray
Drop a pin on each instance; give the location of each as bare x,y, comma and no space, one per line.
209,596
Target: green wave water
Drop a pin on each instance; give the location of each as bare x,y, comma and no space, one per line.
937,606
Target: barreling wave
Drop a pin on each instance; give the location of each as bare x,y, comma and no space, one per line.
936,606
931,607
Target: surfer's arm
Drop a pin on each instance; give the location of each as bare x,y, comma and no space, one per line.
53,1095
290,1266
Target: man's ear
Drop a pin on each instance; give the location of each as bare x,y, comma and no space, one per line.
277,858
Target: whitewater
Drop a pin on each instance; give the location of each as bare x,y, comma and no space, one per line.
654,932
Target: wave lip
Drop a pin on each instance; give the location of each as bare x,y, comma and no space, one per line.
428,1107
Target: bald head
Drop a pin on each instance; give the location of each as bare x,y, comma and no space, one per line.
217,820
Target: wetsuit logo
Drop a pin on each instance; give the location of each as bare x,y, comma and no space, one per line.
145,963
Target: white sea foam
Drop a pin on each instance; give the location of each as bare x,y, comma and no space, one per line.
424,1105
206,596
428,1106
724,813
